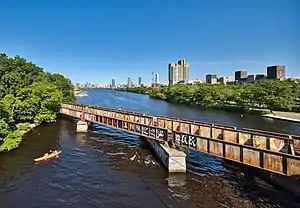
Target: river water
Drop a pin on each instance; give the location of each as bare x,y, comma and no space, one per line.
110,168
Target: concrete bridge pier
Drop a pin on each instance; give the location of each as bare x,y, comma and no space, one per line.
82,126
172,159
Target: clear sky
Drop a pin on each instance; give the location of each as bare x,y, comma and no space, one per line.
99,40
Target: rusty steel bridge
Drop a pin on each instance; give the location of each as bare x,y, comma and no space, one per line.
271,151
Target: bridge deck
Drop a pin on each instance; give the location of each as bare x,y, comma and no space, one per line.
271,151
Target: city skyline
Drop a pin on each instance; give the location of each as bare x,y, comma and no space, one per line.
235,75
90,47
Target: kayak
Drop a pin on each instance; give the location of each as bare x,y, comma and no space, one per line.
49,156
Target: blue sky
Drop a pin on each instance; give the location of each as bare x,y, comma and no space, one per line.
99,40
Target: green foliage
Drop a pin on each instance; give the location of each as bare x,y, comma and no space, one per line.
64,85
11,141
265,94
23,126
140,90
28,95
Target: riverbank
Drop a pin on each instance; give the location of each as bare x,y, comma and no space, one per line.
285,116
35,99
259,98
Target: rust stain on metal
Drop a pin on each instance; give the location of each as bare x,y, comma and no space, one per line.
176,126
232,152
131,118
122,116
297,146
216,148
147,121
276,144
205,131
245,138
260,141
197,135
137,119
230,136
217,133
273,162
161,123
251,157
184,128
194,129
202,144
293,167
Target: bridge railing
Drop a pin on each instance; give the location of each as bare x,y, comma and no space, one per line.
265,150
293,140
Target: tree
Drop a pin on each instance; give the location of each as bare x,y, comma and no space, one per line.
28,95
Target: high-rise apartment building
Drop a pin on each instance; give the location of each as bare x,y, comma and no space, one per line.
157,78
140,81
241,75
276,72
211,79
179,72
129,83
113,83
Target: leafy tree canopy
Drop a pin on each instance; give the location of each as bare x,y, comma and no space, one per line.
265,94
28,94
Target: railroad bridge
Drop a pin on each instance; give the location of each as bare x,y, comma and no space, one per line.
271,151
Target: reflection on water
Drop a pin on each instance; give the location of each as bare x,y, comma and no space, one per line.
111,168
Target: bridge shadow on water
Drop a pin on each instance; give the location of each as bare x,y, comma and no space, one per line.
207,177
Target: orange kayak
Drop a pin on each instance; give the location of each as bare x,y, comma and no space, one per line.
48,156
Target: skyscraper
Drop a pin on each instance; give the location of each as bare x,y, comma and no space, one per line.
129,83
179,72
276,72
113,83
157,78
140,81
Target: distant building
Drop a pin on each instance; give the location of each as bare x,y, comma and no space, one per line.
129,82
260,77
113,83
276,72
197,81
157,78
225,80
211,79
241,76
250,79
179,72
140,81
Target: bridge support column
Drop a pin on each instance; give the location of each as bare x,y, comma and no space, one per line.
82,126
172,159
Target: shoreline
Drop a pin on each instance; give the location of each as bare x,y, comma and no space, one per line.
290,116
284,116
30,127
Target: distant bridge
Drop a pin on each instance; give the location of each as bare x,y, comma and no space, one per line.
271,151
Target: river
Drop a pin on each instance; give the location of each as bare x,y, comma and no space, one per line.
110,168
